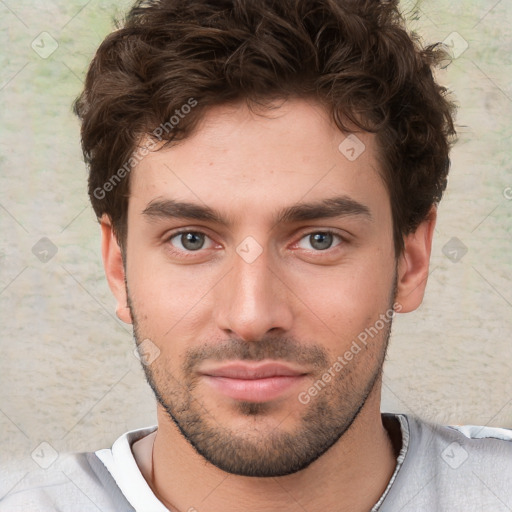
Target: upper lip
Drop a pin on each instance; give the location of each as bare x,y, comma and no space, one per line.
237,370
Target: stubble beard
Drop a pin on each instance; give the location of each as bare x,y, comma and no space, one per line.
259,452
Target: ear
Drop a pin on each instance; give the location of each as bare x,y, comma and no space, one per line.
114,268
413,264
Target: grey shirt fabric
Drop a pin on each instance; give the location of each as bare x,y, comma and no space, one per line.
439,469
80,483
466,469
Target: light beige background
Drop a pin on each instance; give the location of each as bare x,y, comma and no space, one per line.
68,375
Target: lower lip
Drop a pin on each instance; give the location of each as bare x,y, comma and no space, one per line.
255,390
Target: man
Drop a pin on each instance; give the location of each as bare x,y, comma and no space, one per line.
266,176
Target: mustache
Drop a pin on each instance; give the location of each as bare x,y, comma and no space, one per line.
270,347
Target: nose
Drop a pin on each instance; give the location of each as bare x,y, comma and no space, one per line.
253,300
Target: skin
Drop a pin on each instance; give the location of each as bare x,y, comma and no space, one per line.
293,303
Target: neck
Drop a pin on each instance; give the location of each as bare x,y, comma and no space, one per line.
350,476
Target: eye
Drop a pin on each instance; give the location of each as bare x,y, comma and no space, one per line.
190,241
319,240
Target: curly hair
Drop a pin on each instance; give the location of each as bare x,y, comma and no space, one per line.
355,57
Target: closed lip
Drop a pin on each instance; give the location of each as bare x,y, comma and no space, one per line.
246,371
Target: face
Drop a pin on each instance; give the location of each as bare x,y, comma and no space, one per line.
258,256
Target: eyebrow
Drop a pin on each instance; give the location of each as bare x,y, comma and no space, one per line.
341,206
328,208
169,208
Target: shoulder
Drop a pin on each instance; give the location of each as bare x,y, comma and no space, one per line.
458,445
448,468
74,483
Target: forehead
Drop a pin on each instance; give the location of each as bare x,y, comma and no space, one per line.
251,163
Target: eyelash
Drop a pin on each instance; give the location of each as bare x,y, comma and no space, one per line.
191,254
323,232
181,253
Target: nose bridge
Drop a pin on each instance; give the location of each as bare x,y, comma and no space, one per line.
252,301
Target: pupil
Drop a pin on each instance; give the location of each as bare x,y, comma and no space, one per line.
321,241
192,241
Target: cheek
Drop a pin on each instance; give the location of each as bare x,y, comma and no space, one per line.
169,301
346,300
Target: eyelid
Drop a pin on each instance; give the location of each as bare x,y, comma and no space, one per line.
342,239
305,233
169,236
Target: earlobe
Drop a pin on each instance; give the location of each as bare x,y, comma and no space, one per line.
114,269
413,264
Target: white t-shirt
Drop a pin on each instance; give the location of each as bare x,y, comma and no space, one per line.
439,469
122,466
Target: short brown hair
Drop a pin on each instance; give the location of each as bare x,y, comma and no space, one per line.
353,56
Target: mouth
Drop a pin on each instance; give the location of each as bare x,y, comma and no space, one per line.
260,382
